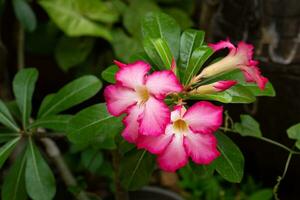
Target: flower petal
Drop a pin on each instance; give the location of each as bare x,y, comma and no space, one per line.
155,117
161,83
224,85
204,117
132,75
222,45
156,144
119,98
130,133
252,74
202,148
174,156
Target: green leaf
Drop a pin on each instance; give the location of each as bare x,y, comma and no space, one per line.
248,127
6,118
159,52
70,52
23,87
195,62
263,194
40,182
14,183
159,25
294,132
93,124
136,168
221,97
70,95
230,164
109,73
53,122
25,14
297,144
7,136
92,159
69,17
181,17
6,150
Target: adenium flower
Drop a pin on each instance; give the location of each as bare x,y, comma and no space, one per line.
189,134
239,57
141,97
218,86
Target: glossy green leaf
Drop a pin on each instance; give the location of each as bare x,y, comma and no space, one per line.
159,52
195,62
263,194
70,95
93,124
40,182
75,18
25,14
53,122
6,118
294,132
23,87
71,51
109,73
160,25
230,164
136,168
248,127
6,150
14,183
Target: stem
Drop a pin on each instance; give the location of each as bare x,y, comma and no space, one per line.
20,46
54,152
120,193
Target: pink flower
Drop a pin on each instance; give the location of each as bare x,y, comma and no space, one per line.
141,97
190,134
218,86
239,57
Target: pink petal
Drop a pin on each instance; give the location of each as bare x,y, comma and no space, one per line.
132,75
177,112
119,98
204,117
174,156
222,45
246,49
155,117
130,133
253,74
156,144
202,148
224,85
161,83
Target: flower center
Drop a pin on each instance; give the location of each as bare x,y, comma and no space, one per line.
143,94
180,126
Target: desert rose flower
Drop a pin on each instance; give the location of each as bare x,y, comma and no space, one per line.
218,86
141,97
190,134
239,57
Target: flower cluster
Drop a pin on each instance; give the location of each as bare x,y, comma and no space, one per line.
175,135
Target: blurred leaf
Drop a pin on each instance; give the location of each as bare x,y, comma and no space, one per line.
92,159
263,194
70,52
40,182
93,122
23,87
221,97
180,16
70,95
14,110
73,21
248,127
14,183
160,25
25,14
136,168
7,135
6,118
159,52
294,132
203,171
54,122
230,164
109,73
297,144
6,150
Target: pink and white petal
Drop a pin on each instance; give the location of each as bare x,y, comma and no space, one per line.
156,144
246,49
202,148
119,98
131,131
133,75
253,74
177,112
161,83
224,85
222,45
155,118
120,64
174,156
204,117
